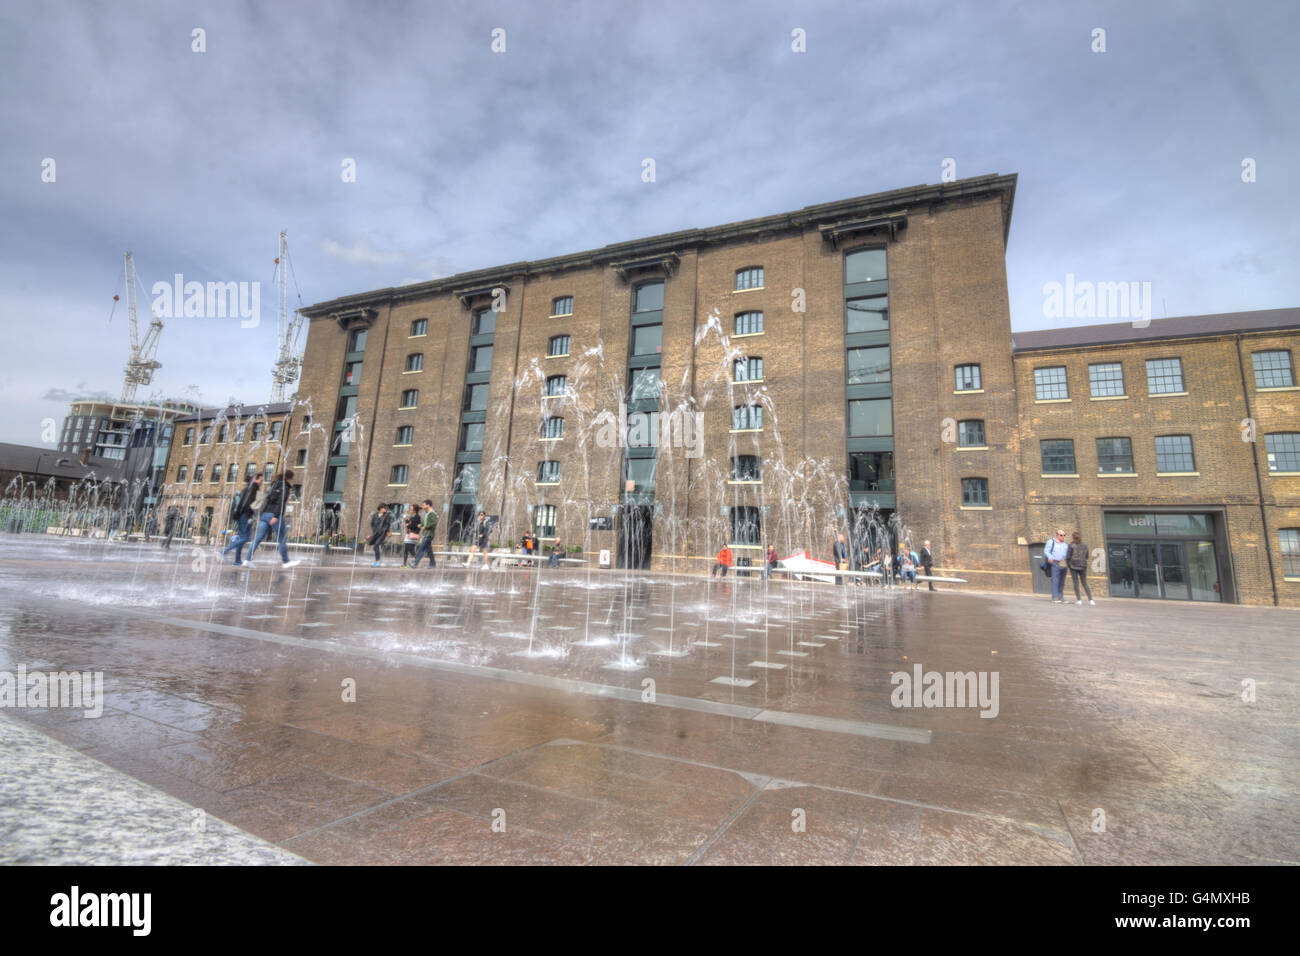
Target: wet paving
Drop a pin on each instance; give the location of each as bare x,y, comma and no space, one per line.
350,715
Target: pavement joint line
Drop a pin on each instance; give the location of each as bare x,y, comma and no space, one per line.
716,835
632,694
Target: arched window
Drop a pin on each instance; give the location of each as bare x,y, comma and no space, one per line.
750,277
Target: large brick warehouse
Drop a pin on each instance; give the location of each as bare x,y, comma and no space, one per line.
848,367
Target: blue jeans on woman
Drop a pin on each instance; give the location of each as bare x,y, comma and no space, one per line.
242,529
264,529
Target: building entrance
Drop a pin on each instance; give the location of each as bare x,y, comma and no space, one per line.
635,535
1163,557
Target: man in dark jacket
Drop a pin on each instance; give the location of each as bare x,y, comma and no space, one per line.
241,512
428,528
380,525
272,517
927,562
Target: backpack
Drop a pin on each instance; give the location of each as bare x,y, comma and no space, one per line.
260,501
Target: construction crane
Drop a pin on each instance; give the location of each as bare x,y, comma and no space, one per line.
288,362
141,365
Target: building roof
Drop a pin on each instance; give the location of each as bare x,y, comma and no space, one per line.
269,409
48,462
912,198
1182,327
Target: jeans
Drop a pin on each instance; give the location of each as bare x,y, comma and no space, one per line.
426,547
242,529
1077,575
715,570
554,560
1058,581
264,529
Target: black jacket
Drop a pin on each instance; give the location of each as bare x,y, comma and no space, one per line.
379,526
927,559
276,492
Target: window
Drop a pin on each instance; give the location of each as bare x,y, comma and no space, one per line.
642,429
1164,376
559,345
747,417
641,472
644,385
970,433
480,358
467,478
553,427
746,468
1058,456
1050,384
485,322
1273,369
749,323
357,340
189,436
230,472
871,471
258,428
968,378
268,471
561,305
334,478
239,431
276,428
419,327
1114,456
415,362
865,265
302,457
405,435
544,521
746,525
1174,453
647,339
182,472
1106,379
556,385
471,436
205,437
306,424
751,278
1289,538
1283,450
410,398
398,476
868,366
868,314
749,369
476,398
351,373
346,409
974,492
251,469
198,472
649,297
548,472
871,417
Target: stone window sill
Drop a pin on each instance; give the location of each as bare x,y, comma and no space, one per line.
968,391
1050,401
1117,474
1166,394
1177,474
1106,398
1059,475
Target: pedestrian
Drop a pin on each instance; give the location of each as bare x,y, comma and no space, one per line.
1077,561
1055,553
114,522
272,519
428,528
529,544
723,562
908,567
150,524
772,561
482,529
927,562
840,554
412,539
380,525
169,526
557,549
242,512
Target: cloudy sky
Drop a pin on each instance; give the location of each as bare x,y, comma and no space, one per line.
1130,161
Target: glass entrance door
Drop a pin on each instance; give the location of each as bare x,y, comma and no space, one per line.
1146,572
1173,571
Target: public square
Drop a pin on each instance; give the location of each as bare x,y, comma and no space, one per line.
331,713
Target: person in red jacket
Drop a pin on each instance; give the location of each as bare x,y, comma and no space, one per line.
724,561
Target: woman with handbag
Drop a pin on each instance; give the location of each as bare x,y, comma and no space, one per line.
412,539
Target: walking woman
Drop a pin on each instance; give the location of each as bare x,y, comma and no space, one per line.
273,519
380,525
1077,561
412,536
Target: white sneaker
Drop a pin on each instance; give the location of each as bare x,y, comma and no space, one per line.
1092,602
291,564
246,565
1080,601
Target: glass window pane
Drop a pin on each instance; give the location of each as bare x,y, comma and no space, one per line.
645,384
868,366
481,359
1164,376
476,398
871,471
968,378
1283,450
1114,455
471,437
1050,383
649,297
1174,453
485,322
1273,369
870,314
870,417
749,323
970,433
865,265
1106,379
1058,456
641,471
647,339
975,492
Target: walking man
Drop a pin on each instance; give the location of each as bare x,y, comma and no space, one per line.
428,528
379,528
241,513
481,532
272,519
1055,553
169,526
927,562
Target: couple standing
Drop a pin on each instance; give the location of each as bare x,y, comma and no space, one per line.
1058,557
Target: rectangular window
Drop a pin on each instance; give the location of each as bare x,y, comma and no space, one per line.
182,472
868,366
205,437
334,477
352,373
398,476
419,327
476,398
871,417
1114,456
1050,384
410,398
746,525
342,444
306,424
744,417
467,478
644,385
239,431
868,314
864,265
974,492
1164,376
258,428
746,468
642,429
970,433
415,362
559,345
562,305
1106,379
1273,369
1174,453
1289,538
647,339
302,457
251,468
641,472
544,521
471,436
1058,456
276,427
198,472
649,297
553,427
405,435
1283,450
268,471
548,472
347,407
749,323
189,436
749,369
871,471
968,378
480,358
357,340
485,322
751,278
556,385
